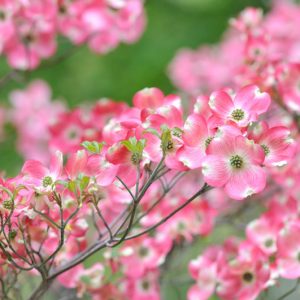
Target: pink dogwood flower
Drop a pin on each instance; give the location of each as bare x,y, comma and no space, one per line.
242,109
277,144
39,176
235,163
289,251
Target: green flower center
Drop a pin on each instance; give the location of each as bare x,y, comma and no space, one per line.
8,204
248,277
145,285
143,251
266,149
28,38
238,114
47,181
170,146
72,134
208,141
62,9
2,15
135,158
236,162
268,243
272,258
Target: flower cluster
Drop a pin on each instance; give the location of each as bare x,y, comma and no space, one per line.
256,50
260,50
243,269
137,181
225,143
28,29
32,113
127,162
44,126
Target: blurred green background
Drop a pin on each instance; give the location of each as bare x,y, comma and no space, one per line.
84,76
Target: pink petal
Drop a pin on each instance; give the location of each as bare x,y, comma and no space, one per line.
221,104
252,100
215,170
200,293
56,164
223,146
252,151
190,156
34,169
245,95
244,183
195,130
76,163
173,162
148,98
118,154
107,174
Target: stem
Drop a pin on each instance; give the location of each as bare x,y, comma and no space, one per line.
290,291
41,290
204,189
98,245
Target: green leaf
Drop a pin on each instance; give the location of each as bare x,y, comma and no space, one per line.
129,145
135,146
153,131
72,186
84,182
93,147
176,131
85,279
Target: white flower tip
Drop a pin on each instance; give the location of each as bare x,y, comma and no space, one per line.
127,251
212,101
280,163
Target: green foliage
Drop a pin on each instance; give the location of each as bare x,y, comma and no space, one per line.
93,147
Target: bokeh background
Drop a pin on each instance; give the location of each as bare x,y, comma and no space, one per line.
84,76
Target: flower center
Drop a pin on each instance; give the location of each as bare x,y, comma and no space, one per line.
143,251
62,9
269,243
135,158
208,141
2,15
248,277
28,38
8,204
236,162
145,285
238,114
266,149
272,258
170,146
72,134
47,181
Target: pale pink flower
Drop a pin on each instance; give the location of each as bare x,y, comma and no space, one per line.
244,108
235,163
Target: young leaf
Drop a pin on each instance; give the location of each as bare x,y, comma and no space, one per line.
93,147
